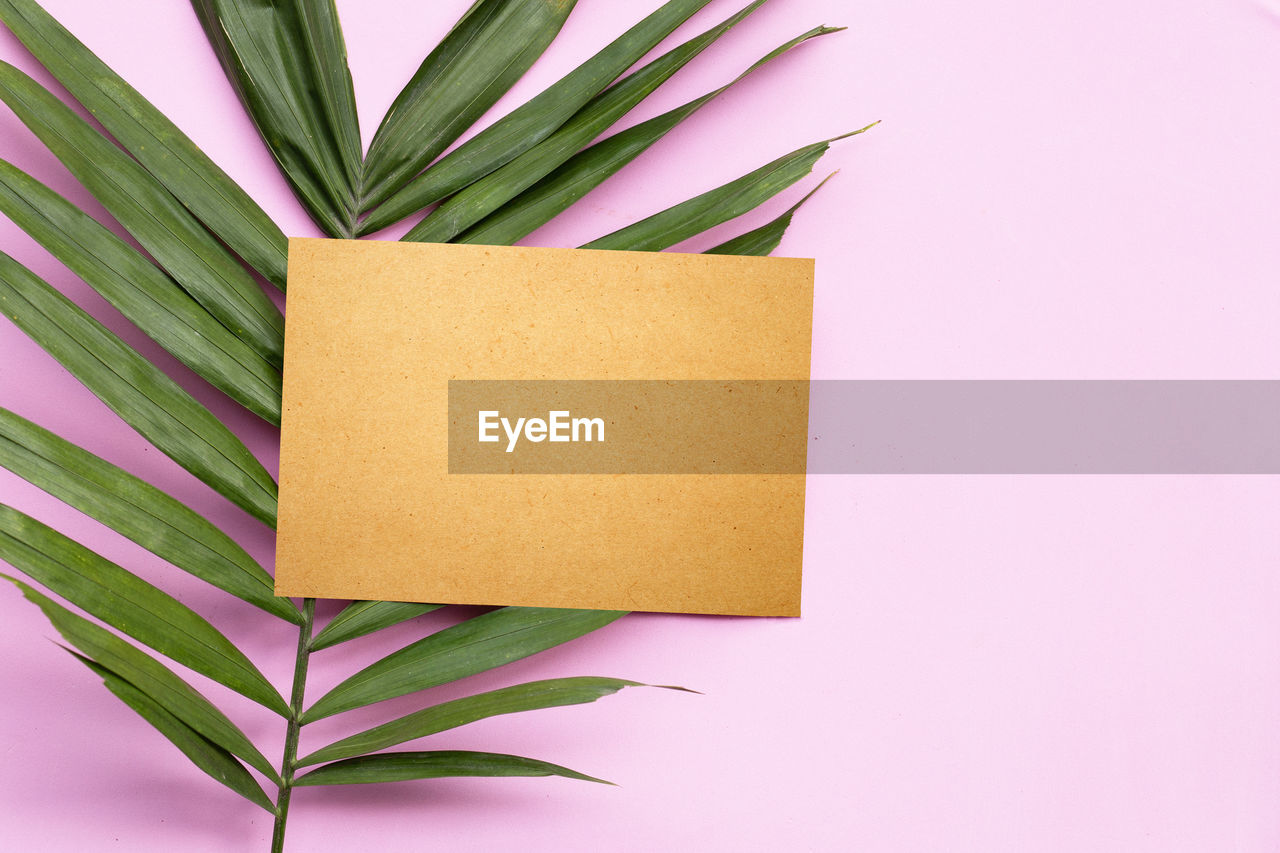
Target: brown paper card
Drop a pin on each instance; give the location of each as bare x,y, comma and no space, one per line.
369,508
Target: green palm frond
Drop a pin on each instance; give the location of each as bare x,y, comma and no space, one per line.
142,130
194,289
531,696
564,101
488,50
528,192
287,62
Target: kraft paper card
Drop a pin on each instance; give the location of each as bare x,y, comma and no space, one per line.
544,427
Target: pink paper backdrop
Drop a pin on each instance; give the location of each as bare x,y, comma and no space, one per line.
1083,190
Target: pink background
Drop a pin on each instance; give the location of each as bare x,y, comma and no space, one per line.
1082,190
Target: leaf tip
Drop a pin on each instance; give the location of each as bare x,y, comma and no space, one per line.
822,183
676,687
22,587
855,132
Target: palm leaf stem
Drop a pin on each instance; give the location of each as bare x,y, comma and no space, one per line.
289,762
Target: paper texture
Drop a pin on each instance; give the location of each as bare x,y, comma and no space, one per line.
368,506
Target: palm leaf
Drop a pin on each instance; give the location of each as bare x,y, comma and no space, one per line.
405,766
151,214
149,675
204,753
532,122
128,603
137,510
580,172
692,217
365,617
532,696
327,51
487,51
148,135
141,292
135,389
287,63
476,645
763,240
